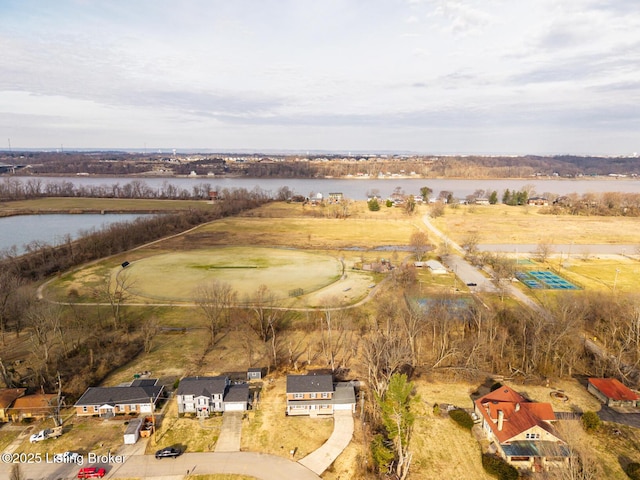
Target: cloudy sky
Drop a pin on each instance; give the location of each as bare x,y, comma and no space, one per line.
429,76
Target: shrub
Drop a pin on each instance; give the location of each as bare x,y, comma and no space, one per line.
590,421
462,418
633,471
373,205
498,467
176,384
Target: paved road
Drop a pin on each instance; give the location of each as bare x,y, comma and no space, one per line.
262,466
321,459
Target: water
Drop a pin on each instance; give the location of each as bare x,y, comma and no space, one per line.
52,229
359,188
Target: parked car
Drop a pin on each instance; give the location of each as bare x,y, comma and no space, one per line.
44,434
67,457
91,472
168,452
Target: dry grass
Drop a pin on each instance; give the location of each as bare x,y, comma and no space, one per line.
189,434
269,430
441,448
245,269
526,225
82,434
54,204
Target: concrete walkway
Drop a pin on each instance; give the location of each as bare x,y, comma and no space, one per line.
230,432
321,459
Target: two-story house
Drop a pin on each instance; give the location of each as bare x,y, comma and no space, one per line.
205,395
201,395
309,395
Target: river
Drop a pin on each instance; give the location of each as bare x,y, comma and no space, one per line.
52,229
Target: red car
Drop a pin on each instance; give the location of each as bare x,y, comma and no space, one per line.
91,472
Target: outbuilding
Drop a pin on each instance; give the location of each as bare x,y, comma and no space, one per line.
132,433
613,393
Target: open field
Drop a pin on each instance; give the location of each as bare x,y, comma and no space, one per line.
177,276
503,224
78,205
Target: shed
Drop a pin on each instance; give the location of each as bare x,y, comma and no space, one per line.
436,267
255,373
132,433
612,392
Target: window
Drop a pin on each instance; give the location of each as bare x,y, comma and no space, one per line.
298,395
313,395
133,408
95,408
84,409
325,394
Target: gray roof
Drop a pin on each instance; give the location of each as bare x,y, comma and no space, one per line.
202,386
119,395
144,382
345,393
309,383
237,393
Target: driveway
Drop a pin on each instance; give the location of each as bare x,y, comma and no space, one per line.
229,439
608,414
321,459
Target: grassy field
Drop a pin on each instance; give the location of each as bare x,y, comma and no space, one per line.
72,204
503,224
442,450
176,276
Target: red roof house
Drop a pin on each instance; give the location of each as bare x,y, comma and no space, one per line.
613,393
521,431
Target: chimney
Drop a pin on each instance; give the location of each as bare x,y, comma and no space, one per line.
517,407
500,420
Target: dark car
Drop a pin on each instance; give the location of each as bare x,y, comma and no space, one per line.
168,452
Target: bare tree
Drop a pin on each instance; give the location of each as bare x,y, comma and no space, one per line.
115,291
543,250
150,327
10,284
384,354
419,243
267,319
215,301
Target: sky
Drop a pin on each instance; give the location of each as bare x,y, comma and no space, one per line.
426,76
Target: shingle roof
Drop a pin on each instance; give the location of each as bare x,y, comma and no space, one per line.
309,383
37,403
237,393
614,389
119,395
8,395
202,386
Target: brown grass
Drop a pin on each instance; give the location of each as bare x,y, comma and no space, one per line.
190,434
269,430
527,225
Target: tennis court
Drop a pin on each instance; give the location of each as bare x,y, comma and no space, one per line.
544,279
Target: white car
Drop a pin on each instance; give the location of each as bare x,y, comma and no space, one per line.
67,457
